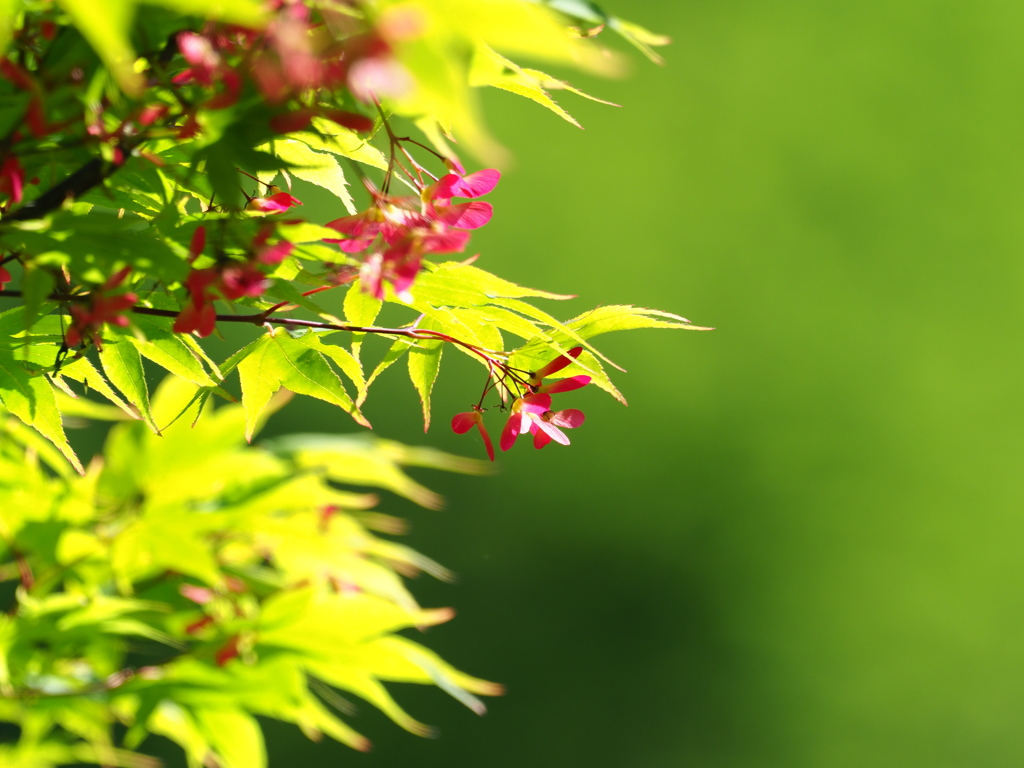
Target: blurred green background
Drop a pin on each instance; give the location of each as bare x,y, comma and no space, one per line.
800,545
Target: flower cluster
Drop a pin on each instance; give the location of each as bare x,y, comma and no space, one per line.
295,56
228,279
395,233
101,306
530,412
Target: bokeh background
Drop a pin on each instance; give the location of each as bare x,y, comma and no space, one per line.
801,543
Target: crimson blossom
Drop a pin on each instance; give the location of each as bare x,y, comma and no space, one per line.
102,306
396,233
531,411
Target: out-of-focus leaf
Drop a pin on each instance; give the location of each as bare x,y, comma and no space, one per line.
8,11
246,13
234,735
493,69
88,409
590,13
370,461
108,33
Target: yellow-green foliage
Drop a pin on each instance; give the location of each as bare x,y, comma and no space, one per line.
189,582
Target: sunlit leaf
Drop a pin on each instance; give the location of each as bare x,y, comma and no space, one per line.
277,360
424,363
122,365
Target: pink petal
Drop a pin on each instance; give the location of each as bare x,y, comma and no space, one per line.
558,363
564,385
463,422
446,242
540,439
283,198
553,432
196,50
477,184
198,242
569,418
487,439
359,228
465,215
374,78
371,276
511,431
267,205
276,253
152,113
451,163
352,246
535,404
442,190
196,594
403,275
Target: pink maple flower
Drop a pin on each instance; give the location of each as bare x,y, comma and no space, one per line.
12,178
276,253
208,69
5,277
457,185
200,317
463,422
360,229
205,62
560,362
401,265
374,78
232,281
562,385
238,280
197,244
197,594
532,413
395,233
228,651
88,318
546,428
151,113
472,215
276,203
526,411
270,254
199,314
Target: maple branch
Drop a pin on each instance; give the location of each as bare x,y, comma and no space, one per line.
263,318
75,185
